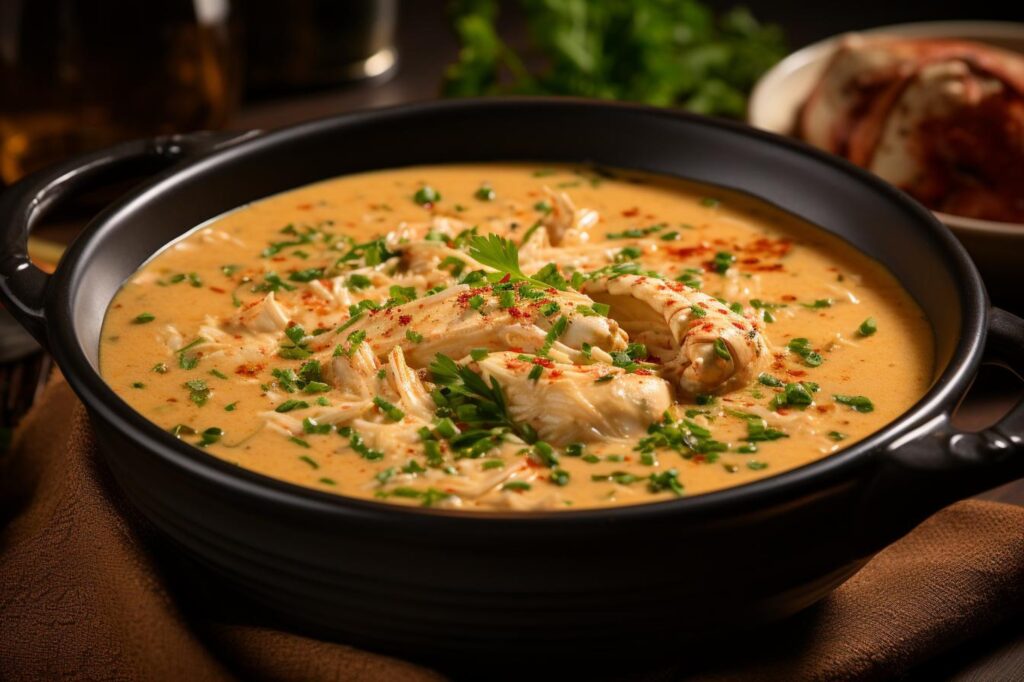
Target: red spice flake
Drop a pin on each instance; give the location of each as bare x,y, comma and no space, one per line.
172,400
517,313
506,278
707,326
555,373
788,297
796,372
631,212
543,362
740,326
774,267
688,251
249,369
217,290
304,207
404,319
533,464
699,459
643,372
750,261
277,259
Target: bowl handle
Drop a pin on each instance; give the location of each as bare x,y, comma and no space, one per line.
23,285
939,464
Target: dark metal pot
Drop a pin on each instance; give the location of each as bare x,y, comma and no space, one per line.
437,583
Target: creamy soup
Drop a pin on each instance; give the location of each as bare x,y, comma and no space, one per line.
515,337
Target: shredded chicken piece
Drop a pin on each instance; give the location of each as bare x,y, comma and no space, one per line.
691,346
568,404
261,316
447,323
565,224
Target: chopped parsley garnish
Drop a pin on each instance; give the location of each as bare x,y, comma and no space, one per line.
836,436
802,347
867,327
231,407
619,477
314,427
464,394
389,410
503,255
756,465
356,281
768,380
160,368
143,318
709,202
665,480
722,350
697,311
289,405
307,275
428,497
722,262
209,436
685,437
355,441
818,303
187,359
517,486
858,403
426,195
199,392
413,336
485,193
637,232
796,395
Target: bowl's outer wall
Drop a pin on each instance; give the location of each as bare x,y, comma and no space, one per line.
428,586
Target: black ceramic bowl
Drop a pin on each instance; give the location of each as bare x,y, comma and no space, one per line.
440,583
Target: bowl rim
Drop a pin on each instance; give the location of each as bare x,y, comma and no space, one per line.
812,477
763,91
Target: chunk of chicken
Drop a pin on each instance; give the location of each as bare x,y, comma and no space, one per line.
461,318
688,332
567,404
564,223
260,316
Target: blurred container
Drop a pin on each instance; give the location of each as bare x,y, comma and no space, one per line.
312,43
78,75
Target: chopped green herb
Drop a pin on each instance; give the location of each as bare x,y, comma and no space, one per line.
769,380
722,350
516,485
802,347
199,392
485,193
143,318
289,405
723,261
413,336
426,195
836,436
209,436
867,327
389,410
231,407
858,403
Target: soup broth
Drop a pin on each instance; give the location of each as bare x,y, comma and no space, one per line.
515,337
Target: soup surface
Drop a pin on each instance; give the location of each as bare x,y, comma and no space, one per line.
515,337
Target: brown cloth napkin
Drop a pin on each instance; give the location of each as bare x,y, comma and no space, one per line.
86,593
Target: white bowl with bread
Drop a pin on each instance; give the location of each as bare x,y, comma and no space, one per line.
935,108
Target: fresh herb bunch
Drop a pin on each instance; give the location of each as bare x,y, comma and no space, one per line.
661,52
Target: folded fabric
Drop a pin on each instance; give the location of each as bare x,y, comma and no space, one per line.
88,591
